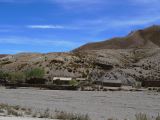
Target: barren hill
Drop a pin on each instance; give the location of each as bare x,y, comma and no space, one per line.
2,55
147,38
129,59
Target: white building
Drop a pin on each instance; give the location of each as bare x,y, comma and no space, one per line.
81,79
62,78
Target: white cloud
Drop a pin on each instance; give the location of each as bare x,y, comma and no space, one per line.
4,30
11,51
98,25
84,4
136,21
122,22
144,1
146,5
15,1
69,27
45,26
79,1
37,42
7,1
25,44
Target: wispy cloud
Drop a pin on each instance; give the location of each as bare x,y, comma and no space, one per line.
96,26
7,1
37,42
11,51
25,44
127,21
4,30
144,1
14,1
45,26
151,6
85,4
61,27
61,2
144,20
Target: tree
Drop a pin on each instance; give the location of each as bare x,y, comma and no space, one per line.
35,73
4,75
17,77
1,75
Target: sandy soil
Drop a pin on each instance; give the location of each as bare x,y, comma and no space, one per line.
21,118
99,105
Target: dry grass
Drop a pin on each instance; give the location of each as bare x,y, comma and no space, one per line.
141,116
14,110
70,116
17,111
6,110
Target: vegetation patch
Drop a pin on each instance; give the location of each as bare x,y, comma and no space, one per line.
70,116
17,111
7,110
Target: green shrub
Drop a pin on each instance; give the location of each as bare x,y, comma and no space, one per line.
6,62
45,114
17,77
158,90
70,116
35,73
158,117
73,83
141,116
4,75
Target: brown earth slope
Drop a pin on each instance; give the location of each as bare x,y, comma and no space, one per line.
147,38
2,55
132,58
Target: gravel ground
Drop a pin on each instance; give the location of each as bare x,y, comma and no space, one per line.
21,118
99,105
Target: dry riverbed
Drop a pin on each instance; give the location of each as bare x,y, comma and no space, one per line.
98,105
22,118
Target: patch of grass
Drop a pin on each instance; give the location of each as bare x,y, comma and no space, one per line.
5,62
45,114
70,116
158,117
158,90
11,110
14,110
141,116
19,111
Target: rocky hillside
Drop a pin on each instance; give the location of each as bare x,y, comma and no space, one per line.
2,55
129,59
147,38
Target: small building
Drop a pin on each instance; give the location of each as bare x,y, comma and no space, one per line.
109,83
81,79
62,80
65,80
151,83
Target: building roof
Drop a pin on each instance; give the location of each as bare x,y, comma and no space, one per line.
63,78
112,81
81,79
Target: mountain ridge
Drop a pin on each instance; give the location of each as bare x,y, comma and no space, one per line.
3,55
147,38
138,59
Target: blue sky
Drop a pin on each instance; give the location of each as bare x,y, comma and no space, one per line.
62,25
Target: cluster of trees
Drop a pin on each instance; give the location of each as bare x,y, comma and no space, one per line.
22,77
